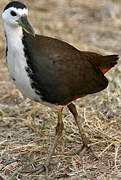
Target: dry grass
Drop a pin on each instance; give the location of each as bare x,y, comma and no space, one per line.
27,128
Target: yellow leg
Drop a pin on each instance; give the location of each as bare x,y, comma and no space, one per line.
59,130
85,139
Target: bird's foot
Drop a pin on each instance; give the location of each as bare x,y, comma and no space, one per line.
85,147
41,168
83,150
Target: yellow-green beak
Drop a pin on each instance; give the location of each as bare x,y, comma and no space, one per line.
24,23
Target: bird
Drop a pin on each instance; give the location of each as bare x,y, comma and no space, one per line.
51,71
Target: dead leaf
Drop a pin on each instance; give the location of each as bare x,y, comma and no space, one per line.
1,178
9,168
1,166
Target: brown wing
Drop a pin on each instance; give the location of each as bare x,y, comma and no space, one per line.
105,63
60,72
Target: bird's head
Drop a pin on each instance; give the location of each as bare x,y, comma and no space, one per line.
15,15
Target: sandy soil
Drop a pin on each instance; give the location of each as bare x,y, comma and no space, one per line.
27,129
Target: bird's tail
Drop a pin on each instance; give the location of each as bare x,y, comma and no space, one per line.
108,62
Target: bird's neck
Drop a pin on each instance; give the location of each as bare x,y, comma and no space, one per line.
14,35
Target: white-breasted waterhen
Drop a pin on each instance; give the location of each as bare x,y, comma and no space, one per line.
51,71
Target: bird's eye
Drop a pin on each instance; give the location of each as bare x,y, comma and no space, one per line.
13,13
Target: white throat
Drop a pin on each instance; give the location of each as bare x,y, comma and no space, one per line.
16,60
15,54
13,33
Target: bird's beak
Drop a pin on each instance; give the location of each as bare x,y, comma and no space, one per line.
24,23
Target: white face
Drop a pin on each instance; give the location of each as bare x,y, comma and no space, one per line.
12,15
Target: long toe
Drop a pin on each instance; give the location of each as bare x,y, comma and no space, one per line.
41,168
81,151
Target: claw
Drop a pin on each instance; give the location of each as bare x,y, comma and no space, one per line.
86,141
83,150
38,170
44,167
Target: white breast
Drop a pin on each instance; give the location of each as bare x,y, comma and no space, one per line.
16,62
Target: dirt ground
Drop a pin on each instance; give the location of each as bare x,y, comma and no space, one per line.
27,129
